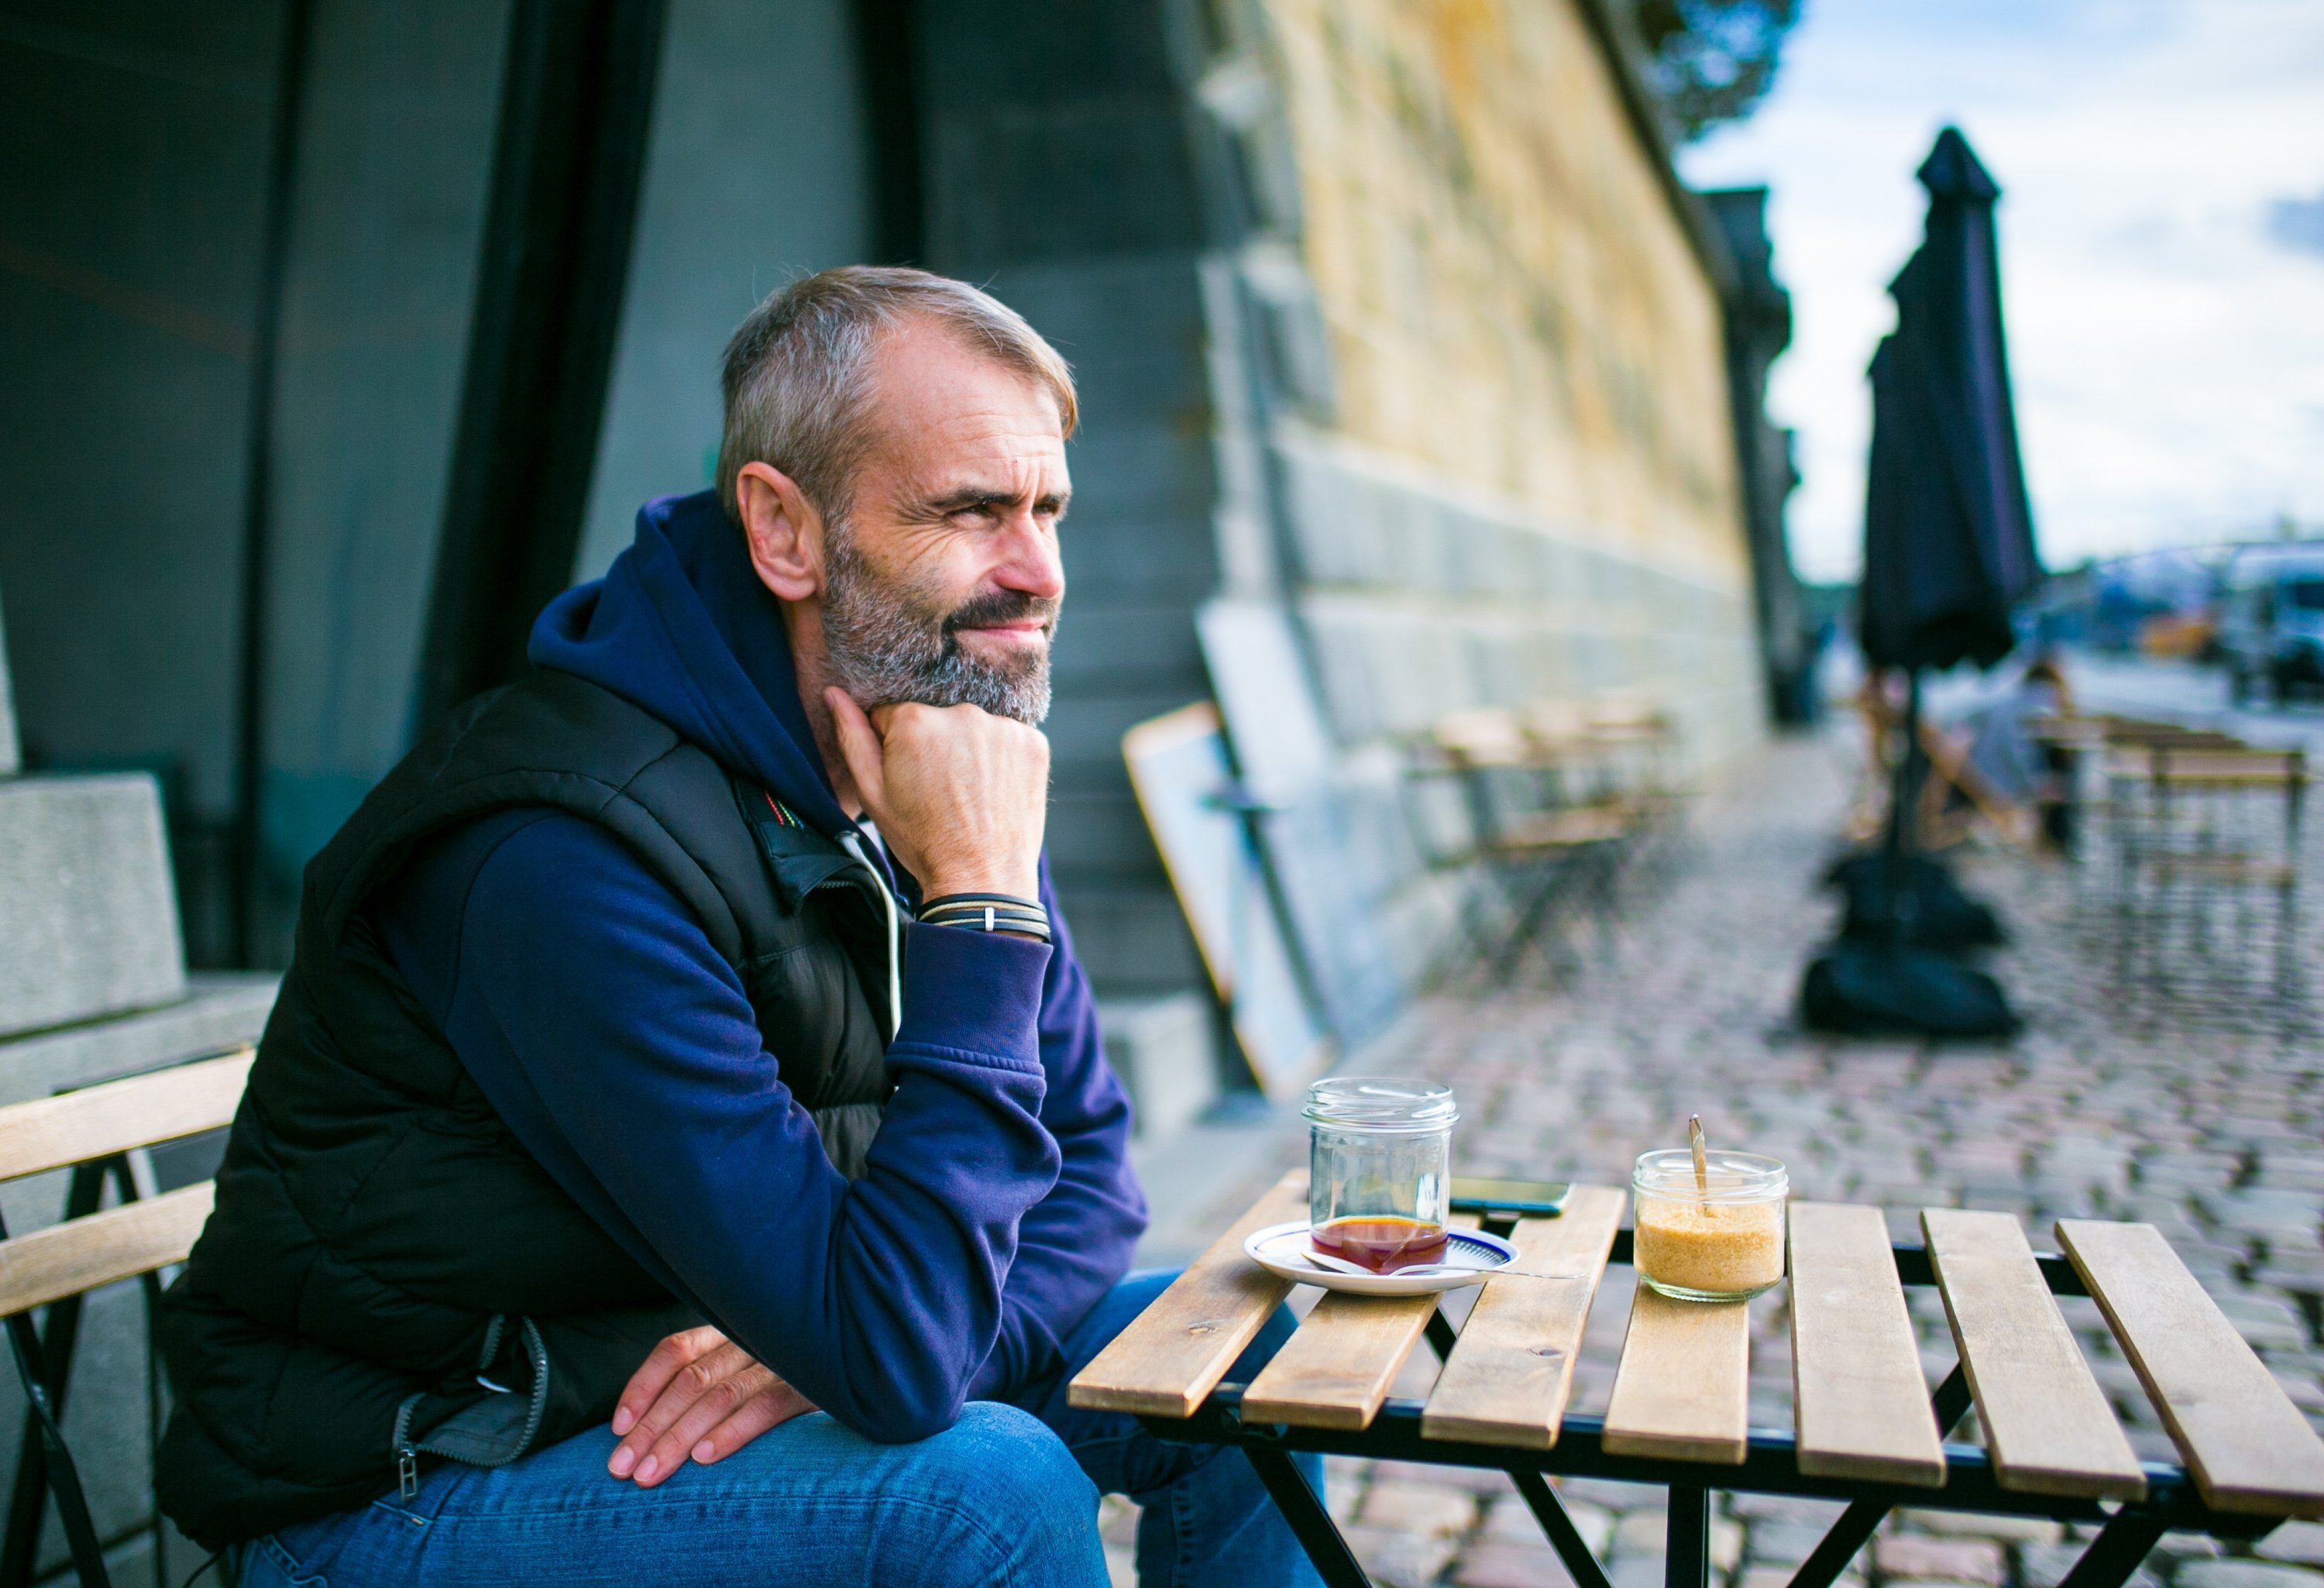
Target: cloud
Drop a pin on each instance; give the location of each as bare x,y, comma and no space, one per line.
2168,352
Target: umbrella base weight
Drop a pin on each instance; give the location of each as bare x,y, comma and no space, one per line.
1878,991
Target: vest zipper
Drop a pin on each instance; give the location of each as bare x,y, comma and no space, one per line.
853,843
407,1459
407,1453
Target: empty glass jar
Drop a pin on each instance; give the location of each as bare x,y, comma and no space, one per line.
1380,1169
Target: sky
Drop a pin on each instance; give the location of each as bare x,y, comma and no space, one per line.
2161,225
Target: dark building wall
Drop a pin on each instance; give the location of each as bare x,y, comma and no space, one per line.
387,219
134,150
757,171
1059,172
133,142
136,165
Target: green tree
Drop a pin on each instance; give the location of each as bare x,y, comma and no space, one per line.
1712,60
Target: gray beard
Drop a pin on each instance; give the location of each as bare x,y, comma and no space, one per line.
886,647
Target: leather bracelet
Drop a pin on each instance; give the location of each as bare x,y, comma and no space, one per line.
1023,926
987,913
982,915
978,912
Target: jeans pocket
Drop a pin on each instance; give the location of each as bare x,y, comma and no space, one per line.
265,1563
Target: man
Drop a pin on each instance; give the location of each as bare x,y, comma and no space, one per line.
630,1188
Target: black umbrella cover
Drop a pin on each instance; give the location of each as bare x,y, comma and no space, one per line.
1947,532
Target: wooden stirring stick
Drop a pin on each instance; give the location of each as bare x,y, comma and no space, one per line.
1702,1165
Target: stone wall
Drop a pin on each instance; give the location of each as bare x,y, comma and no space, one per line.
1510,300
1469,412
1521,484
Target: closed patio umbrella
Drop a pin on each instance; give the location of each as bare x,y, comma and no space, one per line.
1948,534
1948,552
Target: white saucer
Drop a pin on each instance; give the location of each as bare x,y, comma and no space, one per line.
1280,1250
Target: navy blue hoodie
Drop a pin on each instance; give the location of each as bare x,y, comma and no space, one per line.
998,1204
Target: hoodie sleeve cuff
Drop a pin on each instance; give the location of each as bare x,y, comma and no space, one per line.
974,995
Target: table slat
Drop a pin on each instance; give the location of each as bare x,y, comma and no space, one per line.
1336,1370
1337,1366
1510,1376
2046,1421
1682,1389
1176,1351
2247,1445
1859,1402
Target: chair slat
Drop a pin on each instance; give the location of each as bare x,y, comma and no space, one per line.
1682,1389
2247,1445
2046,1421
136,1238
97,1122
1336,1370
1175,1352
1508,1380
1859,1402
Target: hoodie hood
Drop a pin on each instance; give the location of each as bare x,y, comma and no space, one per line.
681,627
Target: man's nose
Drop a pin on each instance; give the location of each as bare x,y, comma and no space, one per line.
1032,565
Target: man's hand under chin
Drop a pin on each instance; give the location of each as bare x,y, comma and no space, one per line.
700,1397
961,795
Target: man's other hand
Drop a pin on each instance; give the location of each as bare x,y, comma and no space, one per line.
961,795
699,1395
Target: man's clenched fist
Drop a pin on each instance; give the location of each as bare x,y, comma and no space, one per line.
961,795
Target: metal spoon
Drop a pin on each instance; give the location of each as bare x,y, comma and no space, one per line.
1341,1265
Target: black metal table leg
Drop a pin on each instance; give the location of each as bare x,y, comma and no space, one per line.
1862,1518
1686,1558
1950,1402
1558,1526
1849,1534
1441,1336
1311,1524
2115,1553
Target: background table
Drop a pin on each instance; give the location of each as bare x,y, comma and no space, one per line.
1866,1427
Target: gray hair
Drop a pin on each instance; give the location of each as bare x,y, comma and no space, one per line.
798,372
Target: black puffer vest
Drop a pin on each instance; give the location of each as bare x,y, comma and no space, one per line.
389,1276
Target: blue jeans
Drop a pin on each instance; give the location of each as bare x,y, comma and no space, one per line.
1006,1498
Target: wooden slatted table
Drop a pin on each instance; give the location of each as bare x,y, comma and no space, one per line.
1866,1427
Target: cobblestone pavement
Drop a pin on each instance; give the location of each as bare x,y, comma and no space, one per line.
2107,1106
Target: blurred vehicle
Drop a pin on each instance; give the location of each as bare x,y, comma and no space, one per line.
2155,603
2272,621
2177,636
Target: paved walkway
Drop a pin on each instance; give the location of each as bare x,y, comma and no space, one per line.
2104,1106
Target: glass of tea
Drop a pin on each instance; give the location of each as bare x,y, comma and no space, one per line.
1380,1169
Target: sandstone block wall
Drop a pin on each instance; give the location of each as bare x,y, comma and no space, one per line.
1521,483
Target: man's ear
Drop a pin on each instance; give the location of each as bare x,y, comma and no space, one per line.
783,530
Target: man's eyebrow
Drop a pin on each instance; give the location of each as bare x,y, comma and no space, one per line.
971,497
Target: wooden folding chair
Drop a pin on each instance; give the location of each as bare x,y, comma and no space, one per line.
2208,823
100,1132
1539,849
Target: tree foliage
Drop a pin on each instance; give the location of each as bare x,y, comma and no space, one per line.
1712,60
